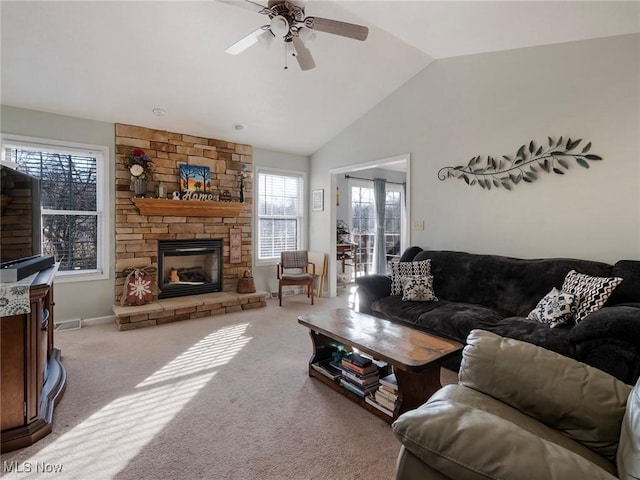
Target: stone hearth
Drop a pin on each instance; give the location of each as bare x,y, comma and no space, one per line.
184,308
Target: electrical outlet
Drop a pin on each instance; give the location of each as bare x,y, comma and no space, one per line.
418,225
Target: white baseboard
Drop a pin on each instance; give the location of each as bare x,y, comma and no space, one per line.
109,319
289,292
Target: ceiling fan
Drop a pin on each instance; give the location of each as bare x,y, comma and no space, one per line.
288,21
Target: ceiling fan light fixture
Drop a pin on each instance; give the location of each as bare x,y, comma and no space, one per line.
279,26
306,35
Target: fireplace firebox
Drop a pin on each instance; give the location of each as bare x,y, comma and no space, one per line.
189,267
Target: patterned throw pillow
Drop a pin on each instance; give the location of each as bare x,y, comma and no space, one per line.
556,308
407,269
418,288
593,291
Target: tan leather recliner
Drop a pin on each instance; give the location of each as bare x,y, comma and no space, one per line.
522,412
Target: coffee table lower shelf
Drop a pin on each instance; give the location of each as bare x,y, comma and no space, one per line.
334,384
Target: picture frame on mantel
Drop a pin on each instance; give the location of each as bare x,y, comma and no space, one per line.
317,200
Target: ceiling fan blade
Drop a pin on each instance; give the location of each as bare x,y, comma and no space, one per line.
246,42
303,55
357,32
246,4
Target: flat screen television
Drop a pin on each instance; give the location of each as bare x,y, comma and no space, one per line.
20,225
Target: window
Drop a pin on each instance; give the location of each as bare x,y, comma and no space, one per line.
279,206
72,195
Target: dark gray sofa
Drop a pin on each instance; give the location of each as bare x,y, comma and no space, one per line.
496,293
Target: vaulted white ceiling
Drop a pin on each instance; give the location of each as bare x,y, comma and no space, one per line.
116,61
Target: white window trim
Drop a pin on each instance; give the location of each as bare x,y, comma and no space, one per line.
103,198
302,240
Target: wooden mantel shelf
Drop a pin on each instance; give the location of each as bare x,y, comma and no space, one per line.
187,208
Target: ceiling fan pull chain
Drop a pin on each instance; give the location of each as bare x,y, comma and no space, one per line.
285,56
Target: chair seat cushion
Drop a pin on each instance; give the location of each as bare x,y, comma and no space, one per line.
297,276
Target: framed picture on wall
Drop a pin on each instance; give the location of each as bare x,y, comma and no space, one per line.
317,200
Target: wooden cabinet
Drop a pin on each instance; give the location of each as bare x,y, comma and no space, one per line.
31,374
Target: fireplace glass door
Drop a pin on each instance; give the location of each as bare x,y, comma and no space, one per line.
189,267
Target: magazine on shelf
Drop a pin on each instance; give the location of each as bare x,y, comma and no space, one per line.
327,370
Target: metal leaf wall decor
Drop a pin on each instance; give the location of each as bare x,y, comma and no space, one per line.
525,166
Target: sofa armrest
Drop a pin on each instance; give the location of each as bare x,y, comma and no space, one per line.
585,403
372,288
620,321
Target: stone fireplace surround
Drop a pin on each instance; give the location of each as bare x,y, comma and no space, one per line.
137,234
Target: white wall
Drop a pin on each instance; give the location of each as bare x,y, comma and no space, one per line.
490,104
265,276
78,300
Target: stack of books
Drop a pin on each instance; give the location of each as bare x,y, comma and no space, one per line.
385,396
359,374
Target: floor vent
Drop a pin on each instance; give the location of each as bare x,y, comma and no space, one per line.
68,325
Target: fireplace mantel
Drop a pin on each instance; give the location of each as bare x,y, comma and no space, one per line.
187,208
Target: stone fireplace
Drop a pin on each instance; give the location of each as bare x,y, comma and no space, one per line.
189,267
143,224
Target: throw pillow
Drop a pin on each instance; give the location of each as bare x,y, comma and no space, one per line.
407,269
556,308
593,291
417,288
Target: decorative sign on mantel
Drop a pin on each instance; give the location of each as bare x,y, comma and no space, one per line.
235,245
524,166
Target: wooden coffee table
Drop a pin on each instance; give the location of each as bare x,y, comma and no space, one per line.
414,355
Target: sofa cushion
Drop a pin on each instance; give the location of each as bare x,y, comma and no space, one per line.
394,309
583,402
593,291
629,290
536,333
418,288
628,458
456,320
447,319
465,434
555,308
409,254
405,269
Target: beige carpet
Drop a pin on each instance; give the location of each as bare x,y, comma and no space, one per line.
224,397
